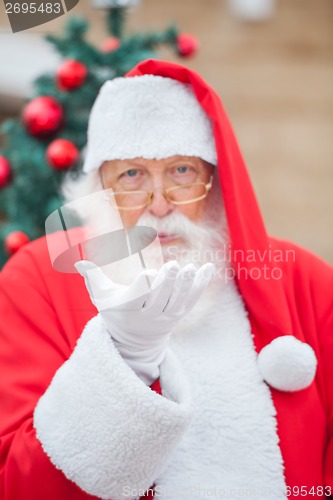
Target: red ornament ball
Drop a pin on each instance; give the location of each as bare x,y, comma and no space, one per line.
71,75
187,45
5,171
62,154
42,116
14,241
110,44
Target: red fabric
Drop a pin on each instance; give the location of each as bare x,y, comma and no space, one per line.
44,312
300,303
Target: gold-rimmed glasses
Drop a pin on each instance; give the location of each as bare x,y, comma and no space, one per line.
178,195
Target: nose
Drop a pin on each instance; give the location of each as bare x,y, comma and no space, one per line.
160,206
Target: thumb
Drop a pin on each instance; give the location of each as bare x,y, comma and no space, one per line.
83,266
96,281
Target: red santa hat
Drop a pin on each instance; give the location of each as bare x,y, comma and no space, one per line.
150,117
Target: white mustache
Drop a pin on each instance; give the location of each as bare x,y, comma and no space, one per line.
174,223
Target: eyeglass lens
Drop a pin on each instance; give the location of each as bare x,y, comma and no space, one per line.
176,194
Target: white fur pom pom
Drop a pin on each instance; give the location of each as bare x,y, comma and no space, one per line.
287,364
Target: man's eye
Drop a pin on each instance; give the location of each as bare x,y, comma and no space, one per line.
182,170
131,173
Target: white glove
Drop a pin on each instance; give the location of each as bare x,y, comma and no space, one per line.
139,317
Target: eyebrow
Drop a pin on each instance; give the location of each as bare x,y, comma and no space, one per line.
129,163
119,169
133,162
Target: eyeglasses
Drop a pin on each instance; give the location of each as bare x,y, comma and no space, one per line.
178,195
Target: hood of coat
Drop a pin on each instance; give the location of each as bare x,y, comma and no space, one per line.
248,236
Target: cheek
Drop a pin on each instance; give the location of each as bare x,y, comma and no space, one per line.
193,211
130,218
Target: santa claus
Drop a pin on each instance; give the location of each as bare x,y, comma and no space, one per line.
206,372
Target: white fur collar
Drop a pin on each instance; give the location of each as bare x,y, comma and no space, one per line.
231,445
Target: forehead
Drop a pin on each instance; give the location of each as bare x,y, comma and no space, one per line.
155,165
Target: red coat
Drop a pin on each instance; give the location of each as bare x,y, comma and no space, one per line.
44,312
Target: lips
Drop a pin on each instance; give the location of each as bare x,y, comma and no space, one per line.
166,237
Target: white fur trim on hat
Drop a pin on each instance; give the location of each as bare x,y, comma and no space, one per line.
150,117
287,364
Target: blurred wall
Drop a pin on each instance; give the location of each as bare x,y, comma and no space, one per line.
275,78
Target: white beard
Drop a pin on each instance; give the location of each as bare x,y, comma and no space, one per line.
200,240
201,243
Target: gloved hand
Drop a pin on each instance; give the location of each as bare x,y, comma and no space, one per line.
141,317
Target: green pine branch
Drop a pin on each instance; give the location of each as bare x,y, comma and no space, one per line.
34,190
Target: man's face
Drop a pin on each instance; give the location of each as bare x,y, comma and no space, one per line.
140,174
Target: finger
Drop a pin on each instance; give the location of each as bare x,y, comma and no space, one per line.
83,267
137,293
162,287
88,269
182,288
202,278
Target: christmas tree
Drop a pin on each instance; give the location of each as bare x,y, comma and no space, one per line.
48,138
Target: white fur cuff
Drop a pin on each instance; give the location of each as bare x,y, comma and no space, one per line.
102,426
